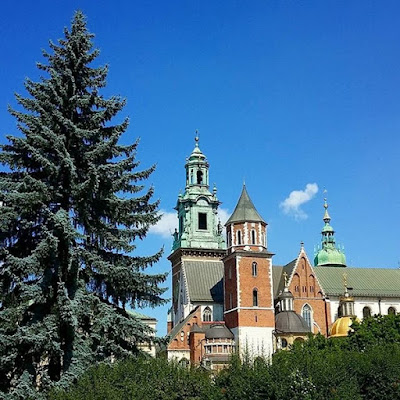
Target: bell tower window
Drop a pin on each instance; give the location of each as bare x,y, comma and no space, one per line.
181,224
253,237
239,237
255,298
202,221
199,177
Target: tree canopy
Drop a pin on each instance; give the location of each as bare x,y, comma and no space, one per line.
73,205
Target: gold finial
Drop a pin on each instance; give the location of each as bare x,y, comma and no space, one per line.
285,277
325,200
346,293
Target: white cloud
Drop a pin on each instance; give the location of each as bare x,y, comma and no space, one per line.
223,215
165,227
292,204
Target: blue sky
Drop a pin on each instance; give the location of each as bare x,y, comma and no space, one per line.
287,95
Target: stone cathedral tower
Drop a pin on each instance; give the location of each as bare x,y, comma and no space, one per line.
249,301
198,245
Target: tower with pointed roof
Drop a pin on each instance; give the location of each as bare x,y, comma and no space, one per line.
248,292
329,254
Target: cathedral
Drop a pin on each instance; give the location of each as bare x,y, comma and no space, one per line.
229,296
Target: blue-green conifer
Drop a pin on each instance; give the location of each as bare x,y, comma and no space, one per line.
73,204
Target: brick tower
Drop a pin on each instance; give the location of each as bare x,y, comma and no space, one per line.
248,294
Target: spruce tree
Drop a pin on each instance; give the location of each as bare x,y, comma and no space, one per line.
73,205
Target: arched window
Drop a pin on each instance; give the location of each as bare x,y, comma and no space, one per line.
255,298
306,314
254,268
391,310
366,312
191,176
229,238
239,237
284,343
253,237
207,314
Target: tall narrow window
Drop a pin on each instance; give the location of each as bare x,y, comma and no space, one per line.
366,312
199,177
254,269
391,310
191,176
239,237
230,272
255,298
202,221
207,314
230,301
306,314
228,237
180,224
253,237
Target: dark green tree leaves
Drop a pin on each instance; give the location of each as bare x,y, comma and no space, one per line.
73,207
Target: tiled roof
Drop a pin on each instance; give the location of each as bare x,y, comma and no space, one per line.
179,326
278,278
369,282
205,280
245,210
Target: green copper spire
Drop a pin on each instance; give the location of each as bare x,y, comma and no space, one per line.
329,253
198,207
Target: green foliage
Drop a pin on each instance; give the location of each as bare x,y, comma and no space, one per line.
141,378
73,206
375,330
319,369
245,380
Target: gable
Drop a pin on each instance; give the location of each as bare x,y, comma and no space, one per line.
303,282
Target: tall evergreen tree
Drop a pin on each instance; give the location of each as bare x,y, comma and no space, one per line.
72,206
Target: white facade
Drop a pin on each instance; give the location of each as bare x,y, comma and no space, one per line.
376,306
254,341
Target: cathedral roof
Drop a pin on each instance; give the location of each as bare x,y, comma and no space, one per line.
373,282
290,322
278,277
341,327
219,331
245,210
204,280
177,328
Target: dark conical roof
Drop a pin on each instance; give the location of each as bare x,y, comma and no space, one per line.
245,210
290,322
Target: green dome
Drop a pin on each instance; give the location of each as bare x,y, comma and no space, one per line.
327,228
330,256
